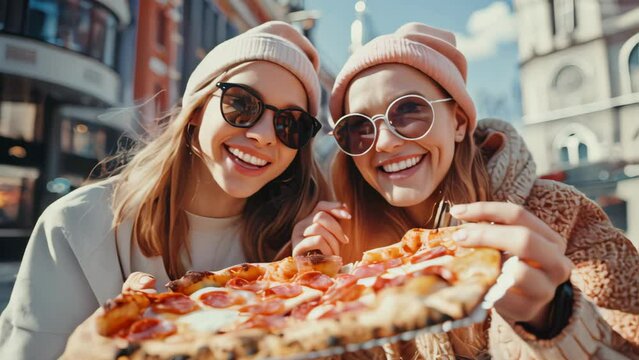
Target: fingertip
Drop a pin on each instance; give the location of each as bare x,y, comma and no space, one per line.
146,279
458,210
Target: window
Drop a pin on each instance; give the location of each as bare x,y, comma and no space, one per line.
4,4
17,185
564,16
209,28
18,120
78,25
633,67
575,145
83,139
568,87
103,31
161,29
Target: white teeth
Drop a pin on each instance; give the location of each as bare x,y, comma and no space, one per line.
402,165
247,158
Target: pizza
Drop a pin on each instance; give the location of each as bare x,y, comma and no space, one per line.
298,305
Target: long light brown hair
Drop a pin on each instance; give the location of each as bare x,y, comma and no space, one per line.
374,218
150,190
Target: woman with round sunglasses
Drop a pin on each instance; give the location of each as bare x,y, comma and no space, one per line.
223,184
409,139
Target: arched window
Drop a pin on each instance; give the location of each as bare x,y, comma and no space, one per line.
629,65
633,68
568,87
575,145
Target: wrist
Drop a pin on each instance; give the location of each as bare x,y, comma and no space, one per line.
555,315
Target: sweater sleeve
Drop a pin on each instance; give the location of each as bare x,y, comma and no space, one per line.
605,320
51,295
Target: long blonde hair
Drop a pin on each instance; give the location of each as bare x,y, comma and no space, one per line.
374,218
150,190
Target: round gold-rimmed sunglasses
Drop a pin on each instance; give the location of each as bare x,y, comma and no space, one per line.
410,117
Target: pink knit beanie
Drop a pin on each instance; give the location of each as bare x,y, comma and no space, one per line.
274,41
427,49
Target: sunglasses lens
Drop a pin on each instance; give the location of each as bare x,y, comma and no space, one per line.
294,127
355,134
240,107
411,116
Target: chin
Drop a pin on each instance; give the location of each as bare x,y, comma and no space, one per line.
240,192
406,198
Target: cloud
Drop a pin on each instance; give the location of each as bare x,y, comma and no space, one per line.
487,28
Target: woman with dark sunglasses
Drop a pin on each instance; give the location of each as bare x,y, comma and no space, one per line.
407,131
223,184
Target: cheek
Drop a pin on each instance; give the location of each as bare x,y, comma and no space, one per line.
363,165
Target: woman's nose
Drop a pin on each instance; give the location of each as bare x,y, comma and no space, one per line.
386,139
263,131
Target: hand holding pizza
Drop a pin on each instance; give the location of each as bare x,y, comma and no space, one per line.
139,281
321,230
542,266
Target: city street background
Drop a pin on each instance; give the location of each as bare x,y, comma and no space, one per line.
80,78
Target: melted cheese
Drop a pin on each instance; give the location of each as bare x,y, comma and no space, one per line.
406,269
306,295
209,320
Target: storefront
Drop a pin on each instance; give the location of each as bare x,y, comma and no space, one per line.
57,77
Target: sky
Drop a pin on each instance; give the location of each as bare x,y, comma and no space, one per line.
485,29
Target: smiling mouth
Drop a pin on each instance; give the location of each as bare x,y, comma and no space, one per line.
246,158
402,165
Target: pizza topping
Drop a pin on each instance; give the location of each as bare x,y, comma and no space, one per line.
243,284
301,311
267,307
343,308
174,303
151,328
393,263
210,320
430,254
221,299
285,290
315,280
440,271
266,322
382,282
326,264
365,271
344,289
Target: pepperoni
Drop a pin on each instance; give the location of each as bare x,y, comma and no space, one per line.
344,308
301,311
285,291
151,328
268,307
315,280
392,263
440,271
365,271
243,284
272,322
174,303
382,283
430,254
221,299
345,290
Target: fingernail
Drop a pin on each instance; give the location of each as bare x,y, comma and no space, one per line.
345,214
145,279
458,210
347,239
460,235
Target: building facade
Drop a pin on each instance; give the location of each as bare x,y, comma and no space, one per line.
579,66
58,72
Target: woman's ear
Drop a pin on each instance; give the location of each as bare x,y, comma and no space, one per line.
461,124
196,116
